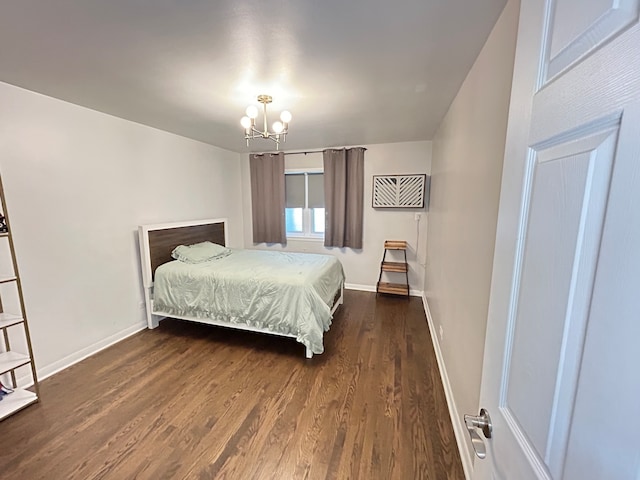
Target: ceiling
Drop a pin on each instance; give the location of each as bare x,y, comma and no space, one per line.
352,72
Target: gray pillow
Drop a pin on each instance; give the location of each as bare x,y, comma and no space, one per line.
199,252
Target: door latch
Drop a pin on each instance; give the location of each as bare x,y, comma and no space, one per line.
482,422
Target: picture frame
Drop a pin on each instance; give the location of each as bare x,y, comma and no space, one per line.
399,191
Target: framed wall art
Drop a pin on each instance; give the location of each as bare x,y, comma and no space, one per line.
399,191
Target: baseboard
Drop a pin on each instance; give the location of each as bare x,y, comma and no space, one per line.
372,288
459,428
362,288
80,355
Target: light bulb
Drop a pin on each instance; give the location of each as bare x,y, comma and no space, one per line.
285,116
278,127
245,122
252,111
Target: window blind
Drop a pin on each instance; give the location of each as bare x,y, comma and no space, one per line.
316,190
294,190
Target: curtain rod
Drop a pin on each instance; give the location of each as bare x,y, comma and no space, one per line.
305,152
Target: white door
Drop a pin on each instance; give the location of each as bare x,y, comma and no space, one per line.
561,372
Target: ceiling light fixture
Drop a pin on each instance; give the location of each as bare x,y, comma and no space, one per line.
280,128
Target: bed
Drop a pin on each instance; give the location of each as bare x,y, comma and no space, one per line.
280,293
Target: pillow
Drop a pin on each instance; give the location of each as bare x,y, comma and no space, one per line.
199,252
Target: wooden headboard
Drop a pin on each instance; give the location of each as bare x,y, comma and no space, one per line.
158,241
162,242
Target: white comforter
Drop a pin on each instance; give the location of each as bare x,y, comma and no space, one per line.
284,292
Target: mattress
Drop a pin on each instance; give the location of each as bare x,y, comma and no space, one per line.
282,292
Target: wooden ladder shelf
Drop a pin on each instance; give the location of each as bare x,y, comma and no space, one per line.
394,267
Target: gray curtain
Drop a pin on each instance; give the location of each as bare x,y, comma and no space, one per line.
344,197
267,198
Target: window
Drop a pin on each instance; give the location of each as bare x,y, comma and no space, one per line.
304,207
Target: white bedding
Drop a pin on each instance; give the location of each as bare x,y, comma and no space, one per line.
287,293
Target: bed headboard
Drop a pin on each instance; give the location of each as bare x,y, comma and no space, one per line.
158,241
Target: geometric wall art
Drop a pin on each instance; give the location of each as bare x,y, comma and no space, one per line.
399,191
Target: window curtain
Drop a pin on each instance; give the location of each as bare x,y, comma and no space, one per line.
267,198
344,197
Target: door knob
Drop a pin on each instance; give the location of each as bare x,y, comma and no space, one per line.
482,422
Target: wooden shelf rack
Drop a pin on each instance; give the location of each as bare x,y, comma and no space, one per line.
394,267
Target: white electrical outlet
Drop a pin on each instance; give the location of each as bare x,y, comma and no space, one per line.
441,331
416,216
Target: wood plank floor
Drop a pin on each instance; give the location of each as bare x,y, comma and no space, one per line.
192,401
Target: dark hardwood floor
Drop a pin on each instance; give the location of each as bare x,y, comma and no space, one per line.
192,401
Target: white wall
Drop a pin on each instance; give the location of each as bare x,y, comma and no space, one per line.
362,267
468,152
78,183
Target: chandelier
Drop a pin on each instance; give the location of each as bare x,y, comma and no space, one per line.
280,128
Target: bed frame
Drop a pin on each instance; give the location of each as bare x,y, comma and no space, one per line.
156,244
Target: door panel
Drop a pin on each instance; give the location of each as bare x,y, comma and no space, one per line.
567,200
577,27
